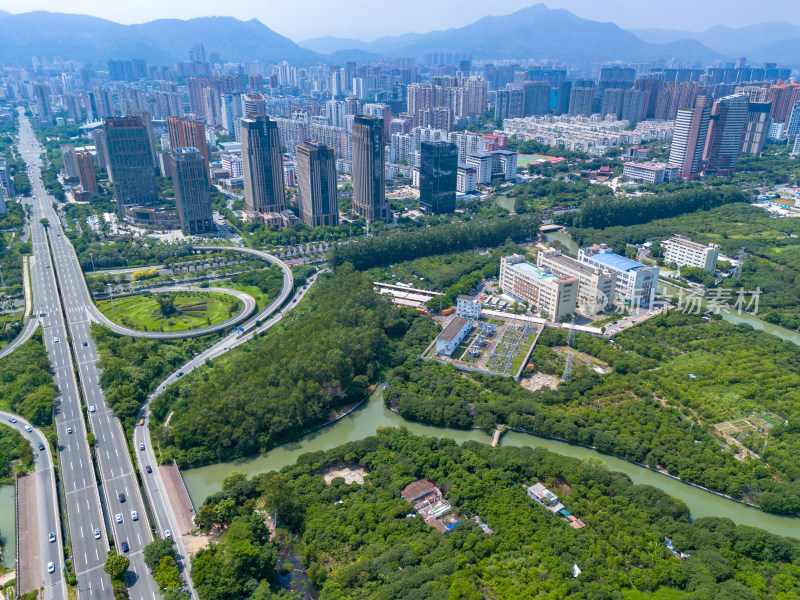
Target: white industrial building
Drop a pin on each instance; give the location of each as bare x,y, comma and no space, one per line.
685,253
546,292
596,286
650,172
452,335
636,283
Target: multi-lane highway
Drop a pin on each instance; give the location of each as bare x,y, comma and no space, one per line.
79,486
68,296
46,510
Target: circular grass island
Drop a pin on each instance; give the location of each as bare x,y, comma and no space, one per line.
171,311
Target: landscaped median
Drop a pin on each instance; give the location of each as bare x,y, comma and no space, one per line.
171,311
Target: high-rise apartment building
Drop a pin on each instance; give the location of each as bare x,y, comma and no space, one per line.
129,163
634,106
793,125
262,163
508,104
43,107
86,174
581,99
725,132
316,179
369,175
689,139
437,177
536,98
189,178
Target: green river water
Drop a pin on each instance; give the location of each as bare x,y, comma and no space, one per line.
364,421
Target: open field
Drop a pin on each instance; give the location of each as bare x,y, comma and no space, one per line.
193,311
262,299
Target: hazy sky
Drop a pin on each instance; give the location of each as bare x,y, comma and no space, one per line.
369,19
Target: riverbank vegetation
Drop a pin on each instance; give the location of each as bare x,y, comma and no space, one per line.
296,376
675,378
15,451
362,541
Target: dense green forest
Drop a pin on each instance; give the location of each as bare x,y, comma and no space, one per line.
321,358
772,246
392,248
26,385
544,193
123,251
13,447
648,409
132,367
599,213
358,541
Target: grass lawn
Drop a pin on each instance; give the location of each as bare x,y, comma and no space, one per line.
662,593
262,299
194,310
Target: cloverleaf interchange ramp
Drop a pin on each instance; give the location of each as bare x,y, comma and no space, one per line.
249,304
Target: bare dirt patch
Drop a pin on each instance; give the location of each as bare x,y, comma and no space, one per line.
538,381
349,474
195,543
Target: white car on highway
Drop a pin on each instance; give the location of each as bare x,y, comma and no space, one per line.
134,515
118,517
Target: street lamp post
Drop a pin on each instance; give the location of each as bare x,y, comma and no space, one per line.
110,295
91,255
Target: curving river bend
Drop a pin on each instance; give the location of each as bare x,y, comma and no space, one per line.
364,421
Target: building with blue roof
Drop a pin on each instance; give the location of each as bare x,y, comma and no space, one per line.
636,283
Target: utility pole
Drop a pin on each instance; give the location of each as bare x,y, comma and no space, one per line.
92,257
567,375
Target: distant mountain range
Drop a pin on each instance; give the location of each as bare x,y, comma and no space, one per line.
162,42
774,41
536,32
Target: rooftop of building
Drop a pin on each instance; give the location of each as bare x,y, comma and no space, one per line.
417,489
466,298
650,166
575,265
536,273
688,243
617,262
453,328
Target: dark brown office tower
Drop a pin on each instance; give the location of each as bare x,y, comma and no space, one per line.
369,176
129,164
316,179
184,133
86,174
262,165
189,178
147,121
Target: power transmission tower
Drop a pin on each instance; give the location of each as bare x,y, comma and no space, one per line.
567,375
737,272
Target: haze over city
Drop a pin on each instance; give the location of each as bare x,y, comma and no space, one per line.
400,300
370,19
